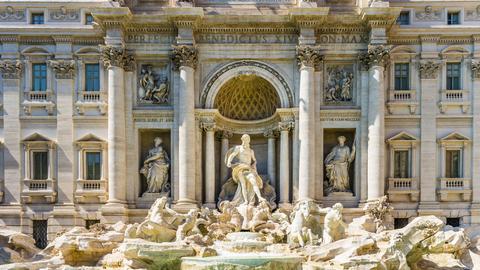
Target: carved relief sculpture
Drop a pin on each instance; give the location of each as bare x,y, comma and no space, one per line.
63,14
429,70
153,88
428,15
11,69
473,15
476,70
337,164
339,84
64,69
155,169
12,15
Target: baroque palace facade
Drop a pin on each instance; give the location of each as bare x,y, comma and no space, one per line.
108,105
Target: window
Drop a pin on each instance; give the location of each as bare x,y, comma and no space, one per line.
91,222
39,77
40,165
92,77
401,164
404,18
40,233
454,222
93,166
453,18
399,223
452,166
88,19
402,76
37,18
453,76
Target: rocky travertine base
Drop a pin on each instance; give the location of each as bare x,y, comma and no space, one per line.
288,240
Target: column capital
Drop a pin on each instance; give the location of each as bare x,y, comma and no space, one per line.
285,126
224,134
117,57
476,70
64,69
376,55
185,55
11,69
208,126
428,69
271,133
308,56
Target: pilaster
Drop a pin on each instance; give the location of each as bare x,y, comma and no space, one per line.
475,212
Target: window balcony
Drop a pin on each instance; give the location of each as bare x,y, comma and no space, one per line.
399,188
38,190
454,98
91,99
455,189
38,99
91,191
402,98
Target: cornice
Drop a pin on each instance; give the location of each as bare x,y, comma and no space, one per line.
246,29
308,17
115,17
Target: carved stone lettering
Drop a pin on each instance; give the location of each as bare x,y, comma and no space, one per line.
245,39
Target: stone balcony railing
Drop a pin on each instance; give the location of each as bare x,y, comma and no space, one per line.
91,99
399,98
455,189
39,189
399,188
454,98
91,191
38,99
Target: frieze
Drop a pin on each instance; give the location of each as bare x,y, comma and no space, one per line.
342,38
246,39
473,15
64,14
150,38
12,15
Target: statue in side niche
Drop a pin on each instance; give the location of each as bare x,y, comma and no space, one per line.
337,164
152,89
155,168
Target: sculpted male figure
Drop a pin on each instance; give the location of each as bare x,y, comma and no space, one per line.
244,173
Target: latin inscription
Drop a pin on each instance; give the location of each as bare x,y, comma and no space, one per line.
150,38
245,39
343,38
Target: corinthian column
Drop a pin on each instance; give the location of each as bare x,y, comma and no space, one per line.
284,164
185,60
307,57
375,59
116,59
271,137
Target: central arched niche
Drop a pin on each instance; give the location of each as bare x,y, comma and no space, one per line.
247,97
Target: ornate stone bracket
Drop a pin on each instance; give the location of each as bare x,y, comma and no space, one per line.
64,69
184,55
11,69
476,70
428,69
118,57
308,56
376,55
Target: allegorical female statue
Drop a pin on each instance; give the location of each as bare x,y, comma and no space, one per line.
155,168
244,173
337,163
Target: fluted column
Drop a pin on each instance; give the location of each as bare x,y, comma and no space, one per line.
116,59
375,59
271,168
224,137
185,60
209,164
307,57
284,178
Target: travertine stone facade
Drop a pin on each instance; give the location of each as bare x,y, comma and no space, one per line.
86,89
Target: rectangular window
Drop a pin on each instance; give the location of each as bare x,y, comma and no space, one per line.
404,18
90,222
453,76
88,19
38,18
93,165
40,233
452,166
39,76
453,18
402,77
402,164
40,165
399,223
92,77
454,222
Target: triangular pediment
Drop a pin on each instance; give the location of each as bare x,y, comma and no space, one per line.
36,137
455,136
403,136
90,138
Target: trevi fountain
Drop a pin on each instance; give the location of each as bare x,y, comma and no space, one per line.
248,230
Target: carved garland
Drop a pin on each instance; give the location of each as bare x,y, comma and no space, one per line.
308,56
243,64
476,70
184,55
64,69
428,70
377,55
117,57
11,69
